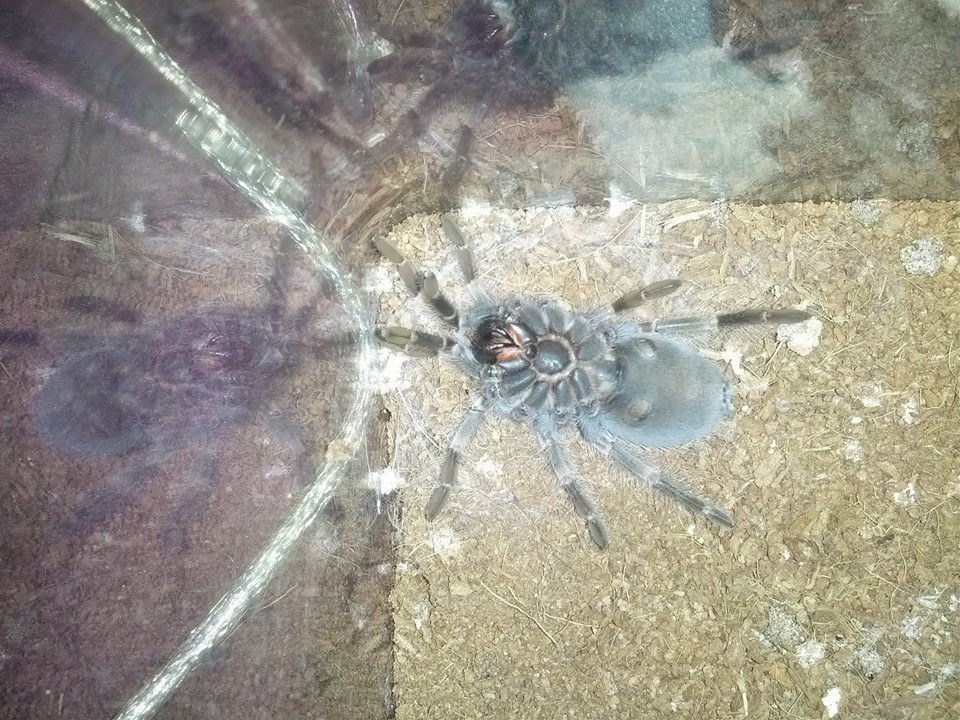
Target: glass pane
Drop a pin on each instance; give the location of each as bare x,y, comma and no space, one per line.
744,217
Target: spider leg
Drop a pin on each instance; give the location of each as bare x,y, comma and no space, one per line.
101,307
451,463
780,316
440,302
464,252
707,323
407,271
569,481
452,177
98,506
700,323
418,281
657,480
645,293
19,337
195,486
414,122
412,342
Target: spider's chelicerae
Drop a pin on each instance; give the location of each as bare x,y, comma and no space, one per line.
622,383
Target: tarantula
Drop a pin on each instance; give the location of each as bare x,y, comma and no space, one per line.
523,52
544,45
623,384
149,389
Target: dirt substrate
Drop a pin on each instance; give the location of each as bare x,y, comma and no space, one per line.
839,588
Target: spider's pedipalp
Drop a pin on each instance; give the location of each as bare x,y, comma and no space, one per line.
657,480
645,293
412,342
451,463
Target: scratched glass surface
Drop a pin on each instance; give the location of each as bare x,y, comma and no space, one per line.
174,368
176,372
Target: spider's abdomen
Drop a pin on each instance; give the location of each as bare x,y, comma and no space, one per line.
666,393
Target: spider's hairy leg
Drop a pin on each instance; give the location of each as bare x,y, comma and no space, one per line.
464,252
567,477
645,293
418,281
780,316
439,301
412,342
452,177
708,323
657,480
407,271
451,464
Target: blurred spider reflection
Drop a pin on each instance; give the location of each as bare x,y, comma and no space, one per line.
367,82
522,53
155,390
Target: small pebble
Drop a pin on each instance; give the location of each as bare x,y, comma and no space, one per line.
922,256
